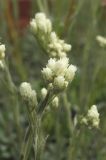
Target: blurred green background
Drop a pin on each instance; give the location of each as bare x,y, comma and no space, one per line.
78,22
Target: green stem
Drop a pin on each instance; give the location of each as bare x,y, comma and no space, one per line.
43,104
69,122
40,5
27,144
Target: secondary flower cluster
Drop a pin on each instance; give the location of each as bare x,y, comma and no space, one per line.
42,28
28,94
59,73
92,117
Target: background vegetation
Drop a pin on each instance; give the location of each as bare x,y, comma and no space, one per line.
78,22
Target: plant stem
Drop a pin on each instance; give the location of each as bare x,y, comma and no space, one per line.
26,146
69,122
43,104
35,137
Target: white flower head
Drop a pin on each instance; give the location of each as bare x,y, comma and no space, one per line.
101,40
60,83
40,16
51,64
70,72
61,66
25,89
43,92
47,74
43,24
93,116
2,51
28,94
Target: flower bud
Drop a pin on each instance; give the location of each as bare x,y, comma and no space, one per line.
43,92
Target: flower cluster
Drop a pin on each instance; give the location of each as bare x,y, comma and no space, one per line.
92,117
42,28
28,94
101,40
59,73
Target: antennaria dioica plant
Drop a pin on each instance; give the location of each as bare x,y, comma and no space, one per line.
57,74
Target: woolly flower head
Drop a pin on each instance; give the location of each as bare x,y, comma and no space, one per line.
101,40
2,51
92,117
59,72
28,94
